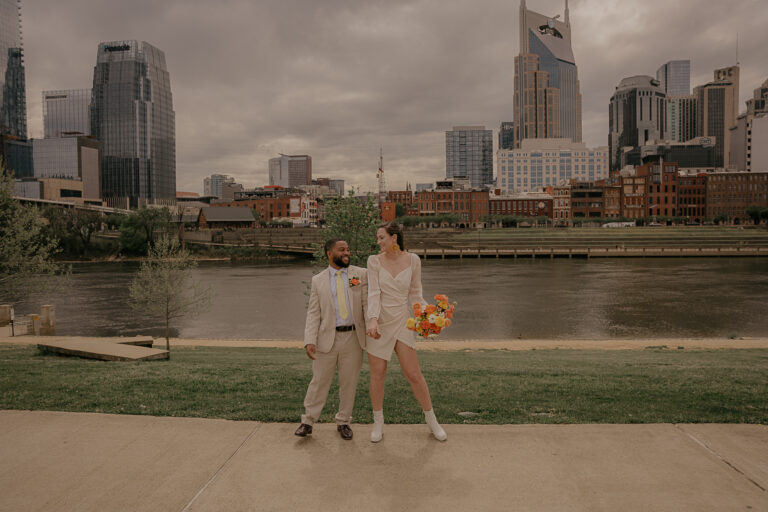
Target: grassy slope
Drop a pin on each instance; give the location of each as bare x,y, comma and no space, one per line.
554,386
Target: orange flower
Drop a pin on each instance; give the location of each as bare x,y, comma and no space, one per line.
425,325
449,313
441,298
447,322
417,308
430,309
437,330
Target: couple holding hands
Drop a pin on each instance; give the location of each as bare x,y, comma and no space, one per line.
351,309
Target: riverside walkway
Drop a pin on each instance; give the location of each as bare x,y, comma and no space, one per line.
638,242
98,462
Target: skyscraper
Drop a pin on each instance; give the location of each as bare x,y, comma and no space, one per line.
637,115
469,154
66,113
547,97
13,108
290,170
749,138
675,77
681,118
718,110
506,135
132,115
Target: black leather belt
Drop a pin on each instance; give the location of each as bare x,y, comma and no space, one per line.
344,328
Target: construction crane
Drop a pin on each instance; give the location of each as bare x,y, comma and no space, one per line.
382,184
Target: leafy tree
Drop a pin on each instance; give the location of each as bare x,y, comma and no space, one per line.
83,224
114,220
257,217
754,213
25,247
164,285
764,214
410,221
721,218
399,210
137,230
353,220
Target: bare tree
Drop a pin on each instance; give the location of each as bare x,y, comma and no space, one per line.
164,285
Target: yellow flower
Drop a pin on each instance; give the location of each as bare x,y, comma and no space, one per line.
440,321
410,323
443,305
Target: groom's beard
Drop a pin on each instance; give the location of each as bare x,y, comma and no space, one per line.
339,262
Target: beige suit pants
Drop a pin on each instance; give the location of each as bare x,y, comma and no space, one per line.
347,355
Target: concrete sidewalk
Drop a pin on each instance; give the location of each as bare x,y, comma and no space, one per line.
97,462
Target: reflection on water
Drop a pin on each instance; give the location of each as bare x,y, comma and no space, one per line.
497,299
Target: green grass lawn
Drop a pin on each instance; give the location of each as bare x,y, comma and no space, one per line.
266,384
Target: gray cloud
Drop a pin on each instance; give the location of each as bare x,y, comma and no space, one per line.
338,79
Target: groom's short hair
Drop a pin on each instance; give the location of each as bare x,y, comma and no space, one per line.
330,243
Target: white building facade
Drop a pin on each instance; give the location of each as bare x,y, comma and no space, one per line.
758,144
541,163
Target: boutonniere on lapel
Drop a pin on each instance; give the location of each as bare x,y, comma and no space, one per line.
354,281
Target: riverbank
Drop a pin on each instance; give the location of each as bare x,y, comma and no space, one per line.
654,385
634,242
455,345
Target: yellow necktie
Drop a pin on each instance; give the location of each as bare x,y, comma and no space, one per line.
341,296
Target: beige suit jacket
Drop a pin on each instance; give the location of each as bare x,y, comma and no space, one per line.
320,327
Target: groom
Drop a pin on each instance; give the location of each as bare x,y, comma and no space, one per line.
334,336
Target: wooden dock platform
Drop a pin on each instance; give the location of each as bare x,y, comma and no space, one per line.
128,350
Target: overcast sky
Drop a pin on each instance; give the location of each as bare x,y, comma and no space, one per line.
338,79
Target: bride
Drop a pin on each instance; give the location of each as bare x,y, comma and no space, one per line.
394,284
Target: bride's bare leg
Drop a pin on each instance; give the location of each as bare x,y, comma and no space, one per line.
409,362
378,370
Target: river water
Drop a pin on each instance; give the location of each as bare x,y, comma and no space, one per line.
497,299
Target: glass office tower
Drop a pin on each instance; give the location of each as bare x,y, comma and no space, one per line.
13,108
675,77
66,113
132,116
469,154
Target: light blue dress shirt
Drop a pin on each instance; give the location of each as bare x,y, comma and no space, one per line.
350,320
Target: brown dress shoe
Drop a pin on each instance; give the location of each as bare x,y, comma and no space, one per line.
304,430
345,432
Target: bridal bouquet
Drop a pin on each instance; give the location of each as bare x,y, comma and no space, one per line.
428,322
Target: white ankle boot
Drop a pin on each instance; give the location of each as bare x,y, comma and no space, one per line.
378,426
437,430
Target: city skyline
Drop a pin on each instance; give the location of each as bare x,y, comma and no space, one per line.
395,76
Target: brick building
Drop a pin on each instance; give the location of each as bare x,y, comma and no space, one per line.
454,197
633,196
692,196
522,205
661,188
388,211
612,201
561,203
731,193
268,208
587,200
403,197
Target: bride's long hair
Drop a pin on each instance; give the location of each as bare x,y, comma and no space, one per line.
393,228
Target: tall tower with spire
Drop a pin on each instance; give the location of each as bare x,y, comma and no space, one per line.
13,104
547,95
